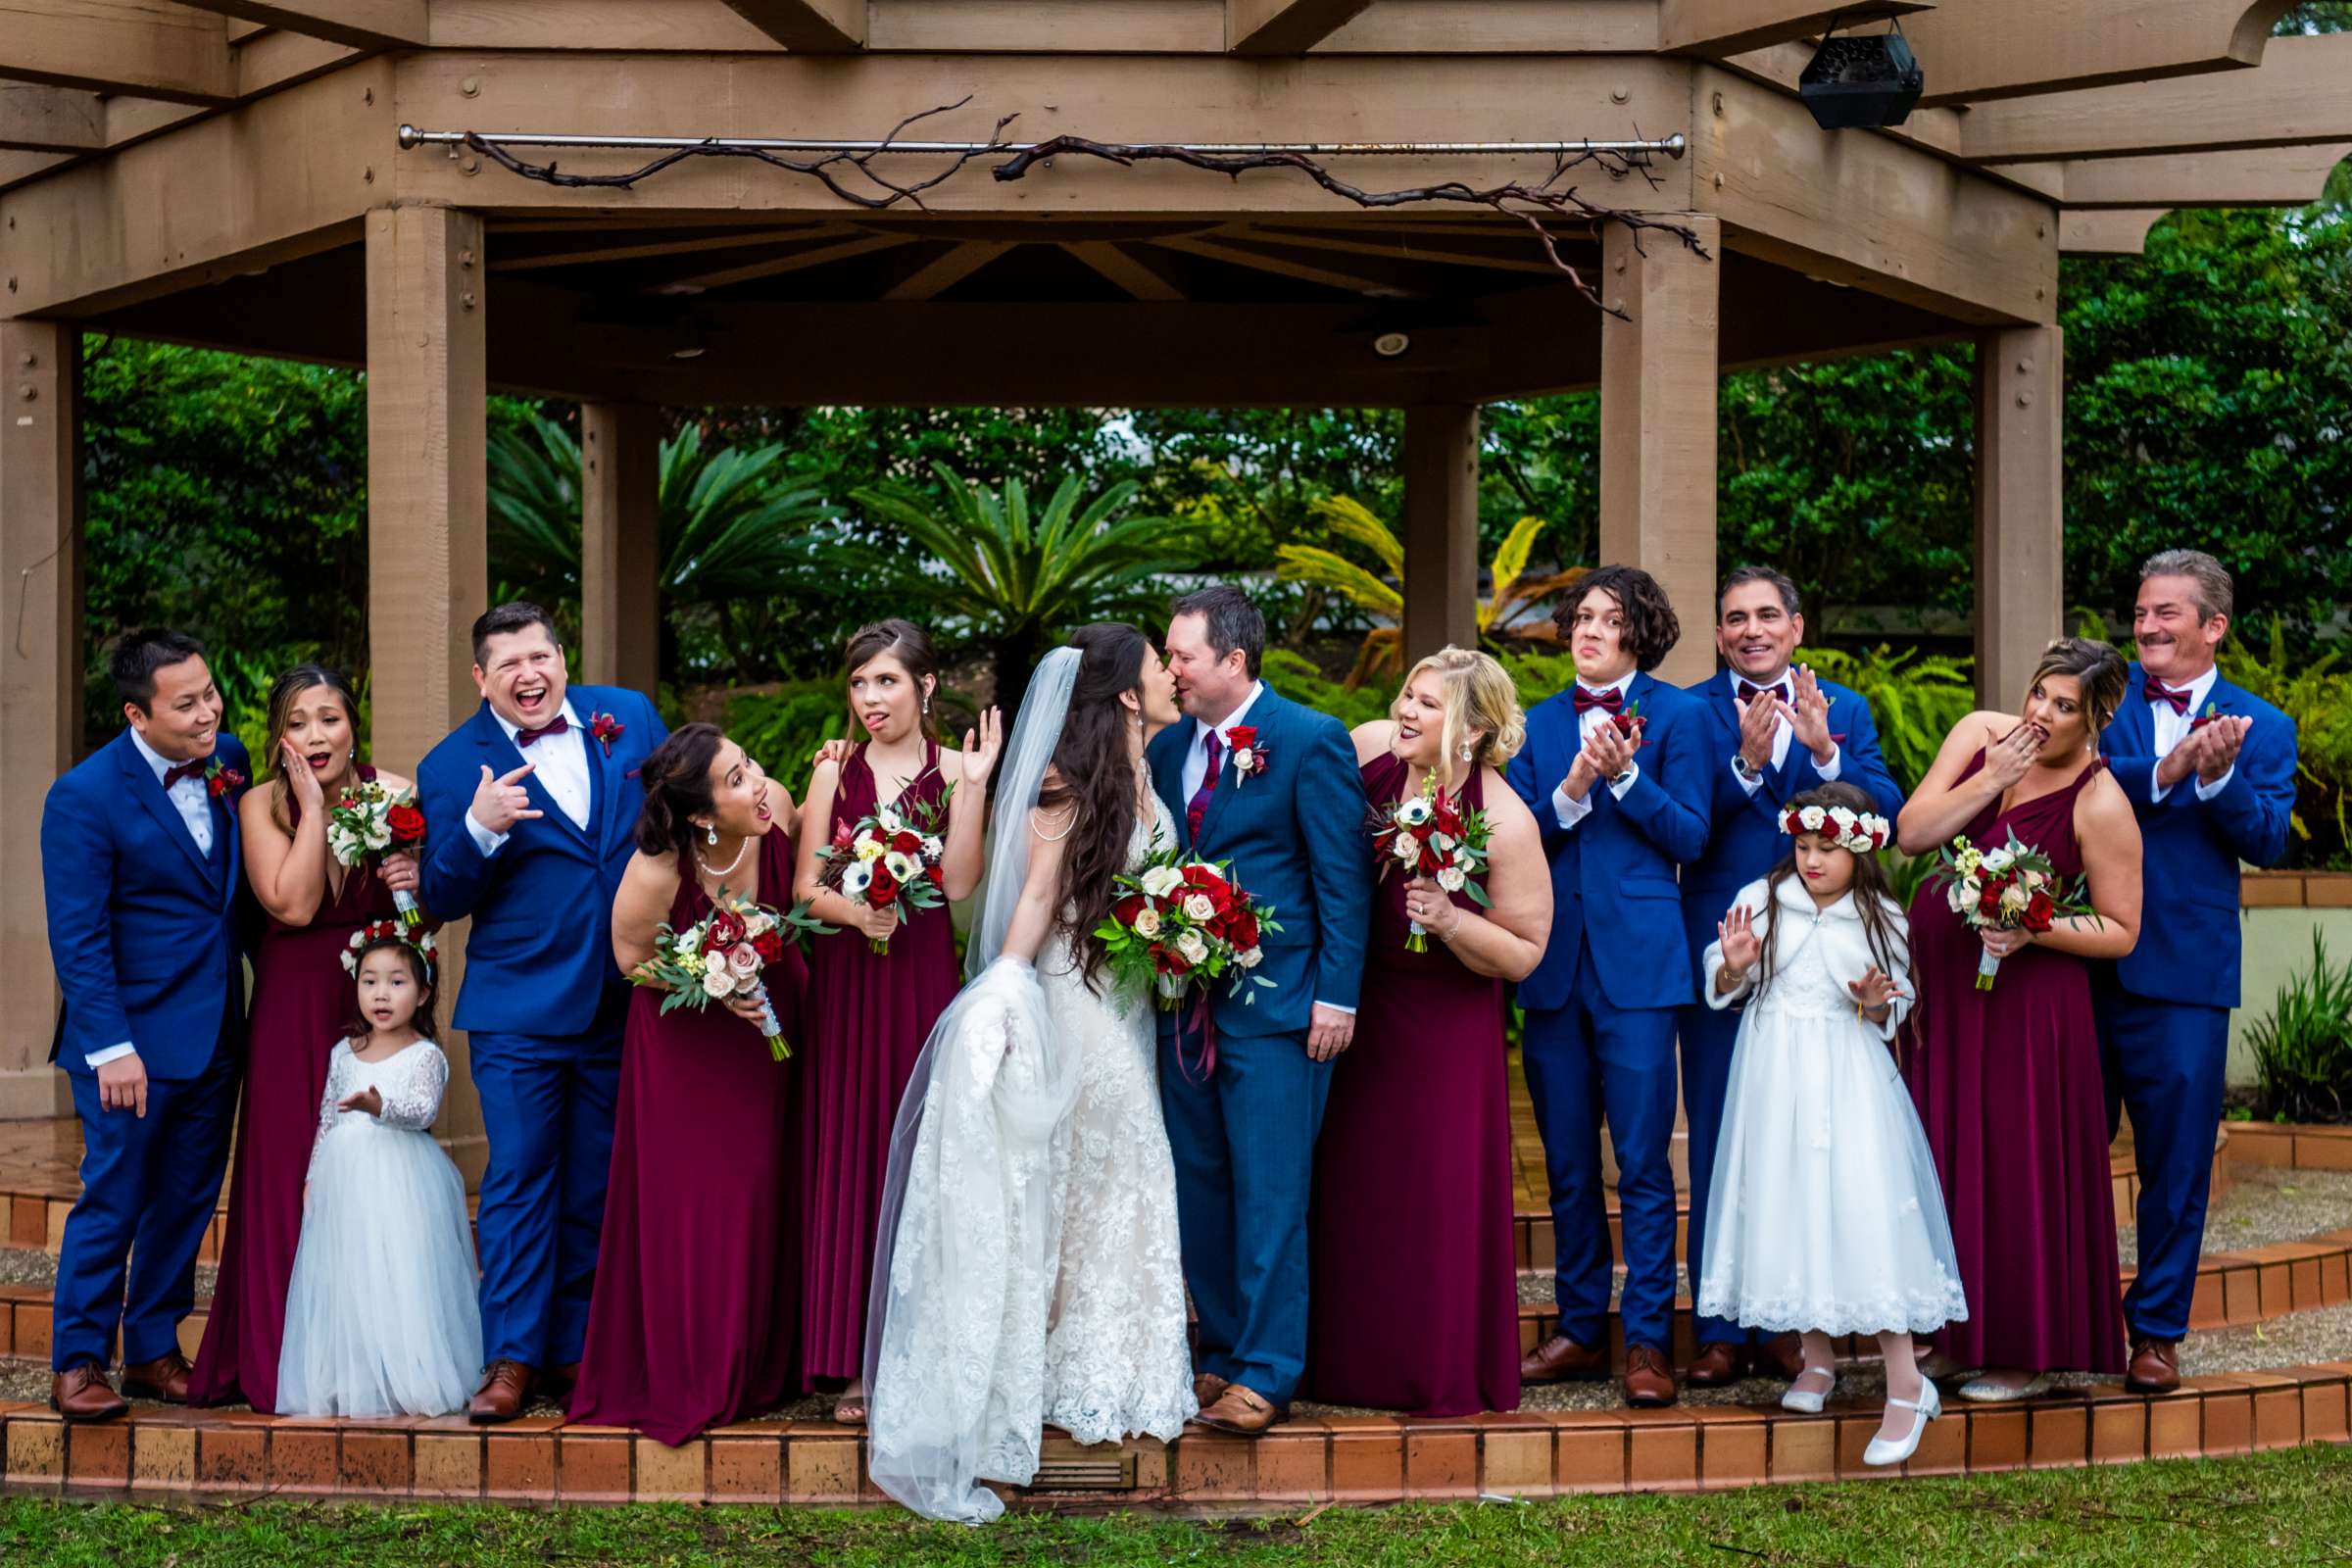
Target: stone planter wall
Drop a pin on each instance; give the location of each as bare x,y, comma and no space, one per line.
2279,911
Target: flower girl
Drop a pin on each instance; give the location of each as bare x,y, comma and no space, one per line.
1825,1217
381,1318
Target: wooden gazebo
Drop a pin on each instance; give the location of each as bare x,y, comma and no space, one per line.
233,173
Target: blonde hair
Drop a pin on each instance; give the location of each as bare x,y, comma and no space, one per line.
1479,696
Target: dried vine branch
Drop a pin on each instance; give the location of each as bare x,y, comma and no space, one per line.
1537,203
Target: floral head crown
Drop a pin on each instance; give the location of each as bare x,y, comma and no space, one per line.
1859,831
381,930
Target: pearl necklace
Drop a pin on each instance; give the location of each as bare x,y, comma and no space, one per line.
741,850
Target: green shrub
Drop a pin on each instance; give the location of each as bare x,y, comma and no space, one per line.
2303,1050
1916,698
781,729
1295,677
2318,698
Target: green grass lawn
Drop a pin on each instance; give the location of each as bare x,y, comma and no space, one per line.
2277,1508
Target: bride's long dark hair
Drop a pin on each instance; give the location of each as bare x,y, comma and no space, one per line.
1093,781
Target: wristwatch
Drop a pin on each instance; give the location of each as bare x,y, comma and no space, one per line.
1746,770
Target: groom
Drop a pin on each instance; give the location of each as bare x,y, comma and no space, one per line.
531,809
1243,1112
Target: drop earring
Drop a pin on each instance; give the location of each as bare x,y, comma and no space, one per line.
711,833
1468,751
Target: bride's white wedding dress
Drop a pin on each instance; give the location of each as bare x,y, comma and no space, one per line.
1035,1273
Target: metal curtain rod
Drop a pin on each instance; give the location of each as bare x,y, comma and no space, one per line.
1674,146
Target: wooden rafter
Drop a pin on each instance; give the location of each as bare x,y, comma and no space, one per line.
144,47
1223,247
1513,256
1726,26
672,244
2302,92
798,260
2263,177
1284,27
808,27
51,120
2004,48
947,270
2112,231
1121,265
360,23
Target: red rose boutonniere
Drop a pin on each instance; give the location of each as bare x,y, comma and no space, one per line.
221,780
2206,718
606,729
1248,758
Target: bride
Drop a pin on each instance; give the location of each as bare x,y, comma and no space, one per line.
1033,1273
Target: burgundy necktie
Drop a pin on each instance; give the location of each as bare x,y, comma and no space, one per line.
2177,695
1612,699
1199,808
554,726
179,770
1749,692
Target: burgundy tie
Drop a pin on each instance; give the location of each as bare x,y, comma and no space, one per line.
1749,692
554,726
1199,808
1612,699
179,770
2177,695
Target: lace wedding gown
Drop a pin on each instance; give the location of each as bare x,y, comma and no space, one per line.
1035,1273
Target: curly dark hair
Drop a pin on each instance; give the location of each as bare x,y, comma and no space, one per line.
1650,628
1874,893
677,784
1095,781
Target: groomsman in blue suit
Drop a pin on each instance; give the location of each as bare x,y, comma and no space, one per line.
531,809
1242,1123
139,868
2210,768
1772,731
1619,812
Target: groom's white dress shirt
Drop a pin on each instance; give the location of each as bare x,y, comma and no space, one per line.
192,799
561,768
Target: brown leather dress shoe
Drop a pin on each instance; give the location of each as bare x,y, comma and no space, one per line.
1208,1389
1561,1359
1648,1378
165,1378
82,1393
2155,1366
1715,1366
1242,1411
505,1391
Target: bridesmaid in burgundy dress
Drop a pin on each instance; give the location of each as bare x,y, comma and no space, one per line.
2007,1080
1414,1303
301,1007
692,1324
870,1013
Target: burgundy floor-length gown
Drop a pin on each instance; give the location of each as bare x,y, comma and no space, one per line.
303,1004
696,1279
869,1014
2007,1085
1414,1301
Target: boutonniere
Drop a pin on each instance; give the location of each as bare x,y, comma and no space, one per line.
2211,714
606,729
221,780
1248,758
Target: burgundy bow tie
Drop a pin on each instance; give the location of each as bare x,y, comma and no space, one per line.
2177,695
179,770
1750,691
1612,699
554,726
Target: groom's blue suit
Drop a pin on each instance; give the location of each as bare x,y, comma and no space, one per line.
143,934
1244,1138
543,1005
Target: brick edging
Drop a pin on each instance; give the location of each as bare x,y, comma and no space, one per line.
2294,890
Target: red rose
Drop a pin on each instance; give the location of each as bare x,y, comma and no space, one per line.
1127,909
1240,736
883,889
726,929
407,824
2038,911
908,842
938,876
1243,934
769,945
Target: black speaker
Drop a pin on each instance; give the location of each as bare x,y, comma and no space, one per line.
1859,82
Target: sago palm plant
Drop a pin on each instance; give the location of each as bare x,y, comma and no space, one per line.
1019,579
1503,616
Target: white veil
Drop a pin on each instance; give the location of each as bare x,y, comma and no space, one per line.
968,1245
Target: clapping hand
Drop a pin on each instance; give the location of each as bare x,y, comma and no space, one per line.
1809,716
1875,990
366,1100
1759,722
302,781
1608,751
980,755
2219,755
501,802
1742,947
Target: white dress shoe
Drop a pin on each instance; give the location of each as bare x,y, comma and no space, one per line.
1989,1390
1925,1409
1806,1403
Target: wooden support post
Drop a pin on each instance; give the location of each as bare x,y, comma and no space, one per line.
621,545
40,678
1658,424
2020,557
1440,528
427,481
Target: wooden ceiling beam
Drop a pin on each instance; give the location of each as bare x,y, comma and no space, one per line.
51,120
649,250
1371,281
359,23
149,48
1284,27
2263,177
840,250
807,27
1729,26
2108,231
1986,49
2301,93
943,272
1122,266
1515,252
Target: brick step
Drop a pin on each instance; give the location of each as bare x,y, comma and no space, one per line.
160,1454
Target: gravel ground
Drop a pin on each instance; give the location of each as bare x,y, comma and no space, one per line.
2265,1205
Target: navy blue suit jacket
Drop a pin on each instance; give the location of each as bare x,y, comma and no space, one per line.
143,927
2190,942
1613,875
539,959
1743,831
1295,835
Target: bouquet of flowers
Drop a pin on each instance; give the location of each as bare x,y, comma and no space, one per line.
891,857
377,931
2013,888
1430,835
1185,922
722,955
367,823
